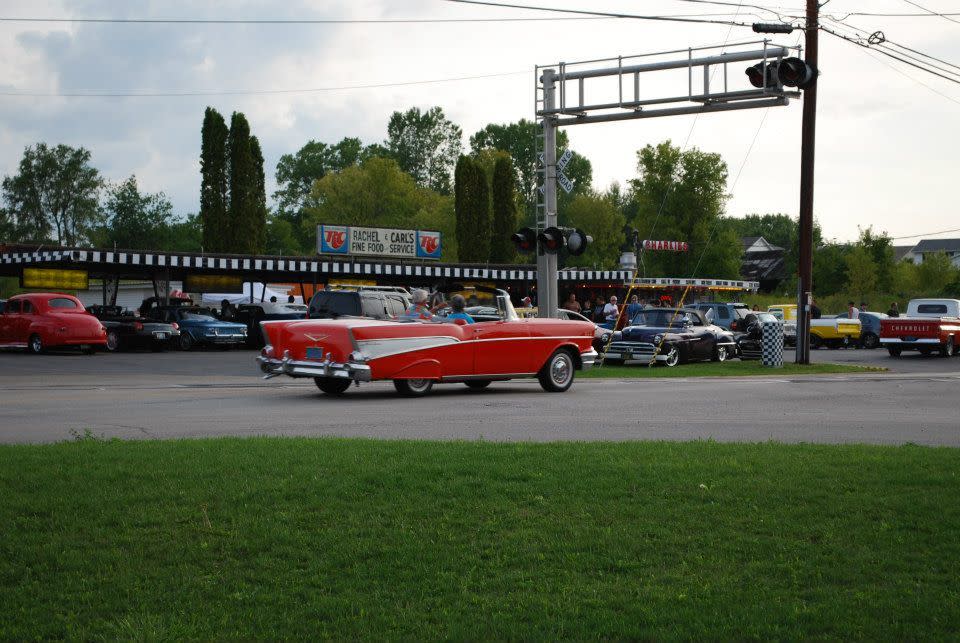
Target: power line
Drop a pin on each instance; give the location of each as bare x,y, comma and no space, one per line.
923,234
914,4
887,53
884,40
287,21
601,13
254,92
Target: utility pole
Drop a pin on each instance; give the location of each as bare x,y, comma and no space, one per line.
547,291
807,149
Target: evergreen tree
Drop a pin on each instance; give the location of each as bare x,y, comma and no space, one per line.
481,216
240,228
213,182
504,205
259,220
462,195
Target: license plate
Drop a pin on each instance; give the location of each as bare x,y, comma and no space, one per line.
160,335
314,353
909,339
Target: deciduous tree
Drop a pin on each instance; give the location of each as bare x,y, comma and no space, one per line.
133,219
680,196
599,217
426,145
55,191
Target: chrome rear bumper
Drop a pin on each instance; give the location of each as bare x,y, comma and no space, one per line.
272,367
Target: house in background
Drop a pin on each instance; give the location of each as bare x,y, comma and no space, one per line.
762,262
928,246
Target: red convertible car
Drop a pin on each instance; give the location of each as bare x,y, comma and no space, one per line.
39,321
418,354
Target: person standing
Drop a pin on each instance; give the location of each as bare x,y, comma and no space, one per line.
852,311
633,307
894,310
571,303
611,311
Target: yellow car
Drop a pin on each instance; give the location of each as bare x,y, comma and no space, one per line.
826,331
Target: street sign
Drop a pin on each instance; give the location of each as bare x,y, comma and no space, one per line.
564,182
562,162
542,160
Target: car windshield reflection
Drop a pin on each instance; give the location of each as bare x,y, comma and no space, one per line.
660,318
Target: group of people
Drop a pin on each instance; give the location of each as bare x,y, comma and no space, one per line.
610,311
853,311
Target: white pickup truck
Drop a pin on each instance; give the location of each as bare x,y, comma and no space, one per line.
929,324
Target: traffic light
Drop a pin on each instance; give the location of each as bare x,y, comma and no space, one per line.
525,239
577,241
793,72
789,72
551,240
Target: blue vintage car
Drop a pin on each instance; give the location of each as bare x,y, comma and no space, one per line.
198,325
670,336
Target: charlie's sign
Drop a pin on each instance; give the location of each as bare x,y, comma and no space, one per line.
378,242
673,246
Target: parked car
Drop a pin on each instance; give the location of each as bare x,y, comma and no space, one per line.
869,327
198,325
669,336
787,313
2,303
126,331
928,325
750,343
376,302
252,314
38,321
828,331
418,354
601,335
724,315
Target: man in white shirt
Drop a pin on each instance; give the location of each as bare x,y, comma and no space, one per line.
853,312
610,310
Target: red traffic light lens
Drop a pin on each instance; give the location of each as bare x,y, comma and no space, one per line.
793,72
525,240
755,74
551,240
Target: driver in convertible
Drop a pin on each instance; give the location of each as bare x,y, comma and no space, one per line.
418,309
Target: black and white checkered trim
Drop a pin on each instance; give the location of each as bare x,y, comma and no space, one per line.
91,259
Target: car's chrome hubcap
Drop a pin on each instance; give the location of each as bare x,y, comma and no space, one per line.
112,341
36,344
418,385
560,370
722,353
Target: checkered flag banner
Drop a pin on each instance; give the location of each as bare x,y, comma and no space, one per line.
772,344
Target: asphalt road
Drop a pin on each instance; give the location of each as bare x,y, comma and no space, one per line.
176,395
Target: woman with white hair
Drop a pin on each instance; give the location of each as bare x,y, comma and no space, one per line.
418,309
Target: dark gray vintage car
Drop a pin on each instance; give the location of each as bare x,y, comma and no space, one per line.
669,336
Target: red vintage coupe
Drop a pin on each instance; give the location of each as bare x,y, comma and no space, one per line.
38,321
418,354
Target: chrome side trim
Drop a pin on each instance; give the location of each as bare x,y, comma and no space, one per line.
903,342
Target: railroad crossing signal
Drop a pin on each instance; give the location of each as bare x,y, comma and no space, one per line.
789,72
552,240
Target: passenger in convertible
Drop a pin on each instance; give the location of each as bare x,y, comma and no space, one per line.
458,303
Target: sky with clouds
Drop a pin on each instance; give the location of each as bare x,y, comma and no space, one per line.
887,133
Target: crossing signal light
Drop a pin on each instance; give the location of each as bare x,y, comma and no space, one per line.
551,240
789,72
793,72
577,241
525,239
761,75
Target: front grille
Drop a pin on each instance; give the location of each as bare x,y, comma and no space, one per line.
631,350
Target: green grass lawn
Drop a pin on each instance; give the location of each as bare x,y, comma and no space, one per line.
733,368
300,538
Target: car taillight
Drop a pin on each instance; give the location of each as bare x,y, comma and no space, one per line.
137,326
175,325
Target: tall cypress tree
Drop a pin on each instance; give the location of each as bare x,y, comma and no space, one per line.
213,180
259,221
481,216
462,195
504,206
240,228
